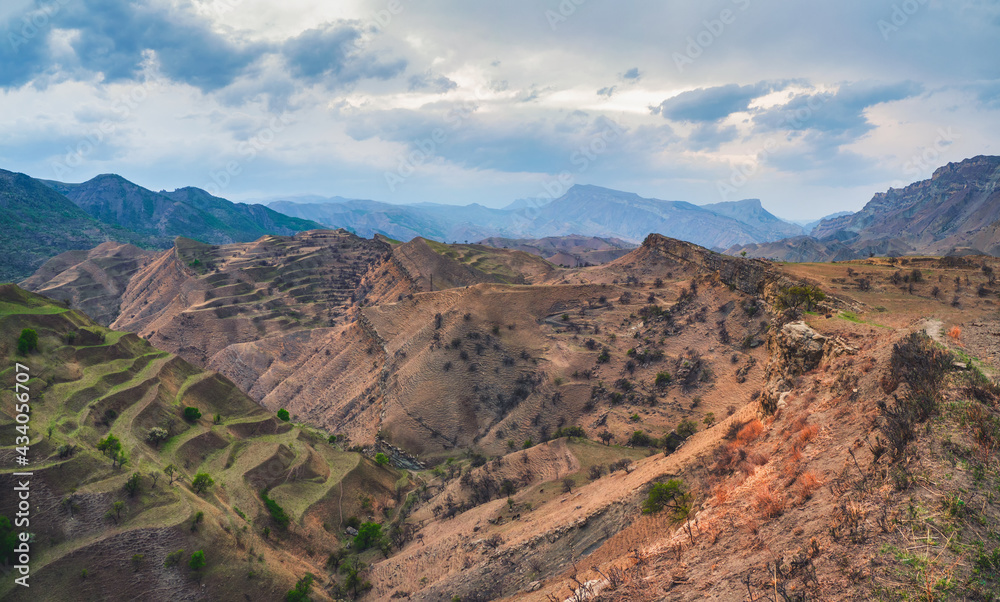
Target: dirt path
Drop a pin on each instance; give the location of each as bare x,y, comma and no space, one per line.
934,328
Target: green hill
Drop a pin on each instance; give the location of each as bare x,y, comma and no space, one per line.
96,539
37,223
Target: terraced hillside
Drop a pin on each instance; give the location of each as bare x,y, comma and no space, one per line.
197,299
105,526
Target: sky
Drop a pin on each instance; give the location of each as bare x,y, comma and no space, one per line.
811,107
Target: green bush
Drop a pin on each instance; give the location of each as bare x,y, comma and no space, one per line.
191,414
27,342
381,459
570,431
686,428
278,514
663,379
197,561
173,558
283,415
300,593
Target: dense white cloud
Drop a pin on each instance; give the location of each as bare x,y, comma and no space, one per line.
810,107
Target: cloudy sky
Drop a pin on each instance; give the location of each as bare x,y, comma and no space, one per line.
810,106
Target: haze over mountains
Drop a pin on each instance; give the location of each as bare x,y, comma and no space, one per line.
957,211
584,210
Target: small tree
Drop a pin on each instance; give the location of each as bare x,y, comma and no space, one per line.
191,414
170,471
300,593
109,446
156,435
368,535
27,342
283,415
120,458
197,561
117,508
201,482
134,484
606,437
353,581
381,459
667,496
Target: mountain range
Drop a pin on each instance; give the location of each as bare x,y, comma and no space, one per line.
583,210
42,218
955,212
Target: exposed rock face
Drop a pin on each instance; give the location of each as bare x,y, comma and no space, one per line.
957,211
794,349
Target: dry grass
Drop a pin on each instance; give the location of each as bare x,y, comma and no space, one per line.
722,494
806,435
768,504
808,484
750,432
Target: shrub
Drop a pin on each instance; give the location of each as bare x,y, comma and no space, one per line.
197,561
668,496
641,439
278,514
27,342
381,459
686,428
570,431
191,414
795,296
663,379
368,535
173,558
749,432
768,503
283,415
604,357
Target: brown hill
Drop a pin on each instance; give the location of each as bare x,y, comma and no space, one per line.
92,281
826,445
567,251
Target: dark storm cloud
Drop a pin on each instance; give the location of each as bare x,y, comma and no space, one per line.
115,38
712,104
